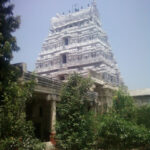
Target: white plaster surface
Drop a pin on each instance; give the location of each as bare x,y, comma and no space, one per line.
87,47
140,92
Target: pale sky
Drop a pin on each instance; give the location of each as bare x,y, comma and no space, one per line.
126,22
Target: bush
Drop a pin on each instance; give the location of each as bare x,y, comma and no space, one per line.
115,133
75,124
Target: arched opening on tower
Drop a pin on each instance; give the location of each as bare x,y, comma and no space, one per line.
66,41
64,59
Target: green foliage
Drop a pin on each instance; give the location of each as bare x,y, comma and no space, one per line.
142,116
118,134
8,24
15,131
8,44
75,125
123,105
122,127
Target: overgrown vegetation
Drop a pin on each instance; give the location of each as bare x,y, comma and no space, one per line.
119,129
15,131
124,127
75,124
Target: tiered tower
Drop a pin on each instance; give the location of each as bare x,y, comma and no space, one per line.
77,43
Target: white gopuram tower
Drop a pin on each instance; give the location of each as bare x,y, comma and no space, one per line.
77,43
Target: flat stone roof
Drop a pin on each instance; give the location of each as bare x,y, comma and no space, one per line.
140,92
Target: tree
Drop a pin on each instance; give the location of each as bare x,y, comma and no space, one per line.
142,116
123,105
118,129
8,44
116,133
15,131
75,124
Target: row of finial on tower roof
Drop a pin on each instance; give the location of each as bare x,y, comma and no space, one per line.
75,7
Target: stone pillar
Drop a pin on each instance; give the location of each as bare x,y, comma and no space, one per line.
53,122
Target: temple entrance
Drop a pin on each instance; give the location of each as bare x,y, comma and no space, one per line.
39,111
